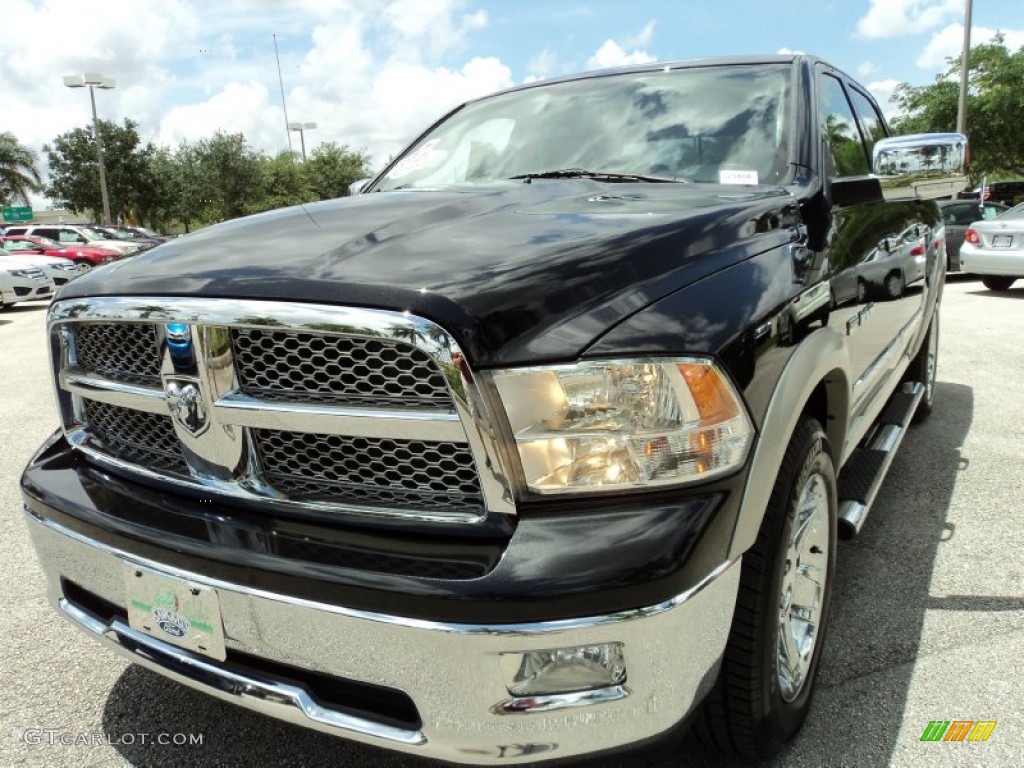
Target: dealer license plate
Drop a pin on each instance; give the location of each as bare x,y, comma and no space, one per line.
176,611
1002,241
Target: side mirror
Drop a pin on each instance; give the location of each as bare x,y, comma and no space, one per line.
922,166
356,187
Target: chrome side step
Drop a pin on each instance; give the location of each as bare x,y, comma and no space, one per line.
863,474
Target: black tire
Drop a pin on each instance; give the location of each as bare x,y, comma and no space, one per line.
747,713
862,291
997,283
894,285
924,367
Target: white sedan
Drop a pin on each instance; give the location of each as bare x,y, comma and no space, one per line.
57,269
994,249
21,282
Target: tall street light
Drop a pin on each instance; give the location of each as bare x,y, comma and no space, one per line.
302,128
965,67
95,80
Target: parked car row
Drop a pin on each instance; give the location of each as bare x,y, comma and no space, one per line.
994,249
124,240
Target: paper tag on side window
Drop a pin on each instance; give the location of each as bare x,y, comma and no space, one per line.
737,177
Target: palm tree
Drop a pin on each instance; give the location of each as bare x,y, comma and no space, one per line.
18,172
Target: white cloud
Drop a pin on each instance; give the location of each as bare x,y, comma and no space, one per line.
784,51
883,90
898,18
949,43
866,70
611,54
643,38
543,64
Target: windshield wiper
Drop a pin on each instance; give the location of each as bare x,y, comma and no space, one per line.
580,173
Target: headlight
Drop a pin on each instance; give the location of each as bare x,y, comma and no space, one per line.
30,273
610,425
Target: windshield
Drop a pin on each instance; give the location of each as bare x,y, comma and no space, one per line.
95,233
1017,212
705,124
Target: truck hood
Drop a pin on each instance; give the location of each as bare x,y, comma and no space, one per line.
517,272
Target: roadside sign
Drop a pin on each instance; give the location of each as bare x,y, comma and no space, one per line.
17,213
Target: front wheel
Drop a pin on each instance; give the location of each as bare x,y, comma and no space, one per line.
82,267
764,689
997,283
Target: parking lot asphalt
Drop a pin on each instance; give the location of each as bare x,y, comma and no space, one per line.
928,606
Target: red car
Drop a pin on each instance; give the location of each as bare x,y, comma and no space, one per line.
85,257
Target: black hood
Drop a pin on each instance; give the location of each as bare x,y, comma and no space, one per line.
517,272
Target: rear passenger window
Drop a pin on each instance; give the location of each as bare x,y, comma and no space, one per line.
839,127
871,123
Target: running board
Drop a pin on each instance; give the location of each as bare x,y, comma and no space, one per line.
863,474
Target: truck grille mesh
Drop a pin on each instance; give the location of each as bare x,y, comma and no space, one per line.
345,370
124,352
146,439
279,453
361,470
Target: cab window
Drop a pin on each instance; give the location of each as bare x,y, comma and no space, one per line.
839,126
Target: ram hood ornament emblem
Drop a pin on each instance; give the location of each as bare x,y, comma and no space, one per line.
188,409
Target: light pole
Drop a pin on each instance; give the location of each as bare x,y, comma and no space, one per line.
965,66
95,80
302,128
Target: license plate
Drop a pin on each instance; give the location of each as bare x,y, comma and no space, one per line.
176,611
1002,241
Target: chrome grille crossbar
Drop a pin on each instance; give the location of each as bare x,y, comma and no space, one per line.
220,377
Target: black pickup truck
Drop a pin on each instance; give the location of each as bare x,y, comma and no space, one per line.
539,446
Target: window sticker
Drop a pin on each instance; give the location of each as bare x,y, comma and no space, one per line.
737,177
426,155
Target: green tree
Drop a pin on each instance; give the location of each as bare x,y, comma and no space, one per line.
330,169
74,174
995,101
283,183
229,181
18,172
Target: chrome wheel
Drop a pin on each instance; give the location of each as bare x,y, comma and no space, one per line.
802,596
82,267
931,363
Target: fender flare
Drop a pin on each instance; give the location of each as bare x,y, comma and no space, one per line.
821,359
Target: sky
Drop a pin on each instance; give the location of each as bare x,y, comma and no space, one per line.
372,74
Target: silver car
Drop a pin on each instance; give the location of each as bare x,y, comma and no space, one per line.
958,215
55,268
994,249
23,283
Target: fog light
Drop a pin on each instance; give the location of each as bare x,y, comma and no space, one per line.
564,670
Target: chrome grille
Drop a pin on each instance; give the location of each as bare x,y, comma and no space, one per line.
119,351
347,370
331,409
358,470
146,439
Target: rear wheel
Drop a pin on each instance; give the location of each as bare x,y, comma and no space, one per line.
894,285
764,690
82,267
997,283
924,367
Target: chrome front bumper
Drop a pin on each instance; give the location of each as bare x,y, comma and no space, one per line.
451,671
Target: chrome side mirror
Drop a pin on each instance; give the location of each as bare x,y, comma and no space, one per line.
922,166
